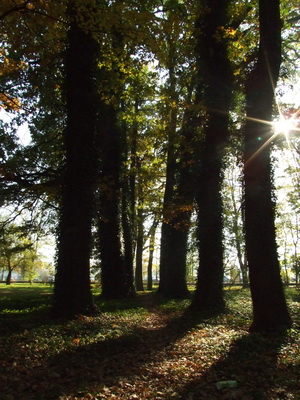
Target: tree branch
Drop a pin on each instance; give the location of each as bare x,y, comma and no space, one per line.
18,8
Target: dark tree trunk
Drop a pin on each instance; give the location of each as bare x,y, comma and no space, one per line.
72,293
242,262
176,231
134,161
113,222
245,274
176,286
214,92
209,289
269,307
128,207
127,225
8,278
166,264
178,205
113,274
182,207
239,240
139,250
174,240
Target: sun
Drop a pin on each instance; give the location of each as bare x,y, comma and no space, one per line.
284,125
287,124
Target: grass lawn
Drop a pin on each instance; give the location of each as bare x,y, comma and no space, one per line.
143,348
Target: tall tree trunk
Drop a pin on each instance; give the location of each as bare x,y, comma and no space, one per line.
178,205
151,254
214,92
135,164
116,264
139,249
166,264
182,207
113,274
72,293
128,229
175,285
128,209
269,307
209,289
239,239
174,249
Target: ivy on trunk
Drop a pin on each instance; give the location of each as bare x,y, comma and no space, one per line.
214,93
270,312
72,293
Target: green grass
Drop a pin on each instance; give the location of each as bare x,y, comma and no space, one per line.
24,298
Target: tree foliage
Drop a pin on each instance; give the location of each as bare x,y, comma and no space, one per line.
131,107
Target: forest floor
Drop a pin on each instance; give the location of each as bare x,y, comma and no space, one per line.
143,348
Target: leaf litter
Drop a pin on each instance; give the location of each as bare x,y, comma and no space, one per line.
153,351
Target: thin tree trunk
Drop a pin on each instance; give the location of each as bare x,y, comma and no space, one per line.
238,239
269,307
166,265
151,254
128,208
139,250
127,225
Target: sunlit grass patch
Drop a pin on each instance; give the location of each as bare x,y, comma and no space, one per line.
24,297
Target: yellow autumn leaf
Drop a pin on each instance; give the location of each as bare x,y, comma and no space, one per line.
9,103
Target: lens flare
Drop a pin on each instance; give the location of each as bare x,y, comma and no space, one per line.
286,125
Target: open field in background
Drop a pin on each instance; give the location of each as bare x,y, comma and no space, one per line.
142,348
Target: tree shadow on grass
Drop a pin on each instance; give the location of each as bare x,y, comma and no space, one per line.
127,366
29,311
252,367
17,315
13,323
115,362
88,368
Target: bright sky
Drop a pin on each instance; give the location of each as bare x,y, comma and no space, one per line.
23,131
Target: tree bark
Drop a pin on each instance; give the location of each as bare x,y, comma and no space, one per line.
72,293
139,250
128,237
270,312
8,277
239,240
214,93
176,240
178,206
116,261
151,254
113,274
129,178
166,264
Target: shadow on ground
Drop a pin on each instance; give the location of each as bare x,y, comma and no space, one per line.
127,367
254,366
